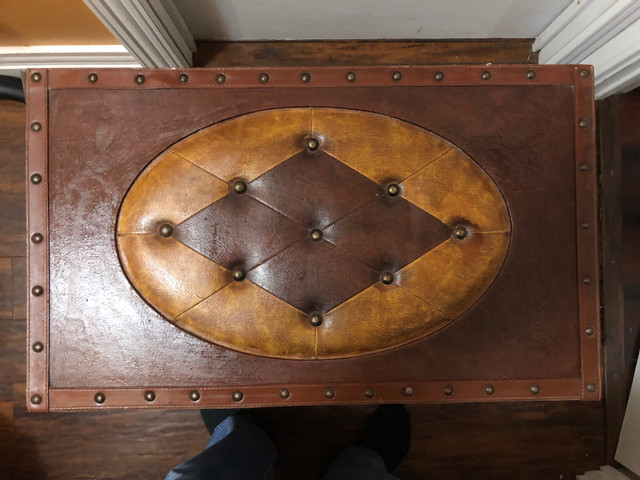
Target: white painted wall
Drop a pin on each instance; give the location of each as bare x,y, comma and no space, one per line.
367,19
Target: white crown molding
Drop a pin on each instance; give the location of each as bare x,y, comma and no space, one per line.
15,59
603,33
152,30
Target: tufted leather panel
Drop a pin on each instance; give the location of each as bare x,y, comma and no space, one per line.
361,223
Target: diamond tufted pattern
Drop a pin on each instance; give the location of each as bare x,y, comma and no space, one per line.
338,191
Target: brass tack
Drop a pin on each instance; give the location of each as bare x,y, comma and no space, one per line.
387,278
284,393
351,76
460,232
93,77
264,77
584,73
329,393
316,235
36,178
535,389
194,395
407,391
486,75
489,390
369,393
99,398
37,290
184,78
220,78
393,189
585,224
38,347
305,77
312,144
237,396
36,126
396,76
165,230
586,280
531,74
36,238
238,274
584,123
36,77
140,79
584,167
439,76
591,388
448,390
589,331
149,396
36,399
239,187
315,319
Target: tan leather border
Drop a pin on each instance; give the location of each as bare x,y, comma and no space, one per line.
309,394
255,396
37,253
587,238
240,77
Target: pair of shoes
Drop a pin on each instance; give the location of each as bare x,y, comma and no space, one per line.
214,417
388,433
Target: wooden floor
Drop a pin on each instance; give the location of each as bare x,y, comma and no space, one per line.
549,440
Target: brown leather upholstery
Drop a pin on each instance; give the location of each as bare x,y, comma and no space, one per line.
264,232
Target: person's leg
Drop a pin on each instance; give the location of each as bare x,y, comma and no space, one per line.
383,444
238,449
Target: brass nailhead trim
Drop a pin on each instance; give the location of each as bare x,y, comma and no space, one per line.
589,331
184,78
284,393
408,391
149,396
535,389
489,390
591,388
194,396
448,391
36,126
584,167
264,77
220,78
237,396
36,178
486,75
37,347
36,399
584,123
369,393
584,73
93,77
305,77
531,74
586,280
439,76
351,77
36,238
36,77
139,79
99,398
396,76
37,290
329,393
585,224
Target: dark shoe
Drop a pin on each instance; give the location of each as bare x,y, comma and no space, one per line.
388,433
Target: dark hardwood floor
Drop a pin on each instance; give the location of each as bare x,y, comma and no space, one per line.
546,440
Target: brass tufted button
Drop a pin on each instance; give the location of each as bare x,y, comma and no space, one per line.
165,230
149,396
239,187
312,144
99,398
386,278
238,274
194,395
316,235
393,189
460,232
315,319
237,396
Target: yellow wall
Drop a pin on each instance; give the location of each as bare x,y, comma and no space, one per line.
51,22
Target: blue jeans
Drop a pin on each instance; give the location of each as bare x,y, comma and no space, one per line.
240,449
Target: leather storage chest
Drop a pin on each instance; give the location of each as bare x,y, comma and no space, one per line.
289,236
